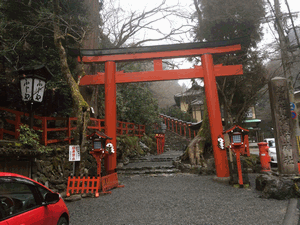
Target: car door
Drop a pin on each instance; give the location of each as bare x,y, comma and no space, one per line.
36,216
22,203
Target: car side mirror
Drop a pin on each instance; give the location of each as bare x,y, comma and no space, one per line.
51,198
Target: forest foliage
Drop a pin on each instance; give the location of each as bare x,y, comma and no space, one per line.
27,39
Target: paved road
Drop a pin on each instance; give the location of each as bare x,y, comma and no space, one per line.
178,199
254,148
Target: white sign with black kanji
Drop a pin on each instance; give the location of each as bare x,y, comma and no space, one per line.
74,153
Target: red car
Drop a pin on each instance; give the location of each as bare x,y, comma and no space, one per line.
25,201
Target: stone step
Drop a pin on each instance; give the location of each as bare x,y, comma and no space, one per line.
150,167
148,171
146,167
151,160
152,164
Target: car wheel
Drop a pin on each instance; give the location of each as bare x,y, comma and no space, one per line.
62,221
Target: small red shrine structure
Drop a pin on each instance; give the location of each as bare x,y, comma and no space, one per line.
238,134
239,144
98,152
208,71
101,148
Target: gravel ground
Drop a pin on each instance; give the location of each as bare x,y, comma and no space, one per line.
178,199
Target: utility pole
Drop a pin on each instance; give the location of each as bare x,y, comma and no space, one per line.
286,65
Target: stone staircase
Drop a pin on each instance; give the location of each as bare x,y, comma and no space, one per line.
152,164
157,164
175,142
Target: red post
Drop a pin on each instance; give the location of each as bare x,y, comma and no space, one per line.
1,133
99,124
98,155
98,160
17,125
157,144
44,128
180,123
237,150
160,143
69,129
214,115
110,113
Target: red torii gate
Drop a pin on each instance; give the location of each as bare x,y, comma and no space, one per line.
208,71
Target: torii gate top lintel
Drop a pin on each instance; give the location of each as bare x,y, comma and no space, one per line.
157,51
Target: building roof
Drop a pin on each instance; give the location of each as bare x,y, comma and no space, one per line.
195,90
197,102
189,93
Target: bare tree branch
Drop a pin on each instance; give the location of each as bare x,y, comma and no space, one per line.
123,29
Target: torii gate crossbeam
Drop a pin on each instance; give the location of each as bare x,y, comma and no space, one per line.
208,71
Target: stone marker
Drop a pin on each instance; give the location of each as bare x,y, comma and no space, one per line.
286,148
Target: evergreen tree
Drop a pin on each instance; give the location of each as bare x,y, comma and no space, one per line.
229,19
219,20
26,39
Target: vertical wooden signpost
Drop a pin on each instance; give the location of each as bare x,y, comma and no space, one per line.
208,71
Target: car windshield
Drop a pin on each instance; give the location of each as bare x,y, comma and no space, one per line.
271,144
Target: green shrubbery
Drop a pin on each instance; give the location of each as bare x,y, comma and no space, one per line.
130,147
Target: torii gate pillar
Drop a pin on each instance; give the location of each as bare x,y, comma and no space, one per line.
214,115
110,161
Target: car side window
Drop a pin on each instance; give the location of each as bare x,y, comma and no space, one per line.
16,198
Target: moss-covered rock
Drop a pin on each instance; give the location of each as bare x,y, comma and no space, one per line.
253,163
129,147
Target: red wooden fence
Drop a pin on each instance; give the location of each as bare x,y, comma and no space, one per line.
92,184
14,118
83,185
179,127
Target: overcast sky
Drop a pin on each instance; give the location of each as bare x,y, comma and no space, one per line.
187,5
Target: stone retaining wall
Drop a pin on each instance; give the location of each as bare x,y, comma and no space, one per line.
52,169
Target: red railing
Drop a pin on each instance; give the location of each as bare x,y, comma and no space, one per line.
60,124
179,127
65,125
130,129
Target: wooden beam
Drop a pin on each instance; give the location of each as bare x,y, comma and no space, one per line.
160,75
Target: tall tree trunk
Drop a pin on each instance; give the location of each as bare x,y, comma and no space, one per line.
196,148
80,107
